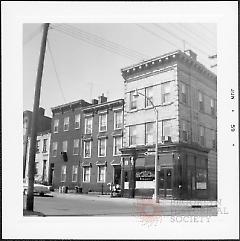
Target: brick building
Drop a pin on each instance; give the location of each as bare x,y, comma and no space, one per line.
183,92
84,144
41,157
44,124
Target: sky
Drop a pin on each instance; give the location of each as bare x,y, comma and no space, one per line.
84,60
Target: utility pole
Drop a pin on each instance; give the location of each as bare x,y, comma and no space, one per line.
31,165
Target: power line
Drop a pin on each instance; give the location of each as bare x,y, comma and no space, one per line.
100,42
180,39
194,34
33,35
55,70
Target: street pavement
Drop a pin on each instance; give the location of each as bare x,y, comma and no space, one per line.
71,204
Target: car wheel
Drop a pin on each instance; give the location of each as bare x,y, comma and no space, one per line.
41,194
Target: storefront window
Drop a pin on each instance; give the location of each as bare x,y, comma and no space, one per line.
201,179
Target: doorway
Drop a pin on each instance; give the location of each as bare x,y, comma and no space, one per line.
117,175
166,183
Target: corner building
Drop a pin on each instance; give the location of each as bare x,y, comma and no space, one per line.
184,93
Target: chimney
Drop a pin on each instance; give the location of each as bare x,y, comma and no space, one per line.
94,101
102,99
191,54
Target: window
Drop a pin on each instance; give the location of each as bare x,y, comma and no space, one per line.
118,119
213,107
102,122
75,147
202,142
66,124
166,92
37,146
117,144
77,121
166,128
64,146
63,173
44,170
88,125
101,173
184,131
149,95
74,173
55,126
132,135
149,133
54,149
200,100
133,101
86,174
214,140
184,93
87,149
44,145
102,147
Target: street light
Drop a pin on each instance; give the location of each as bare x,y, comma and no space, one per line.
136,94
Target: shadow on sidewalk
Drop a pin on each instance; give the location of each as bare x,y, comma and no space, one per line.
32,213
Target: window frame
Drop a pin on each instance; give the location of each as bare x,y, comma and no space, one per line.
84,174
184,97
87,118
45,142
79,121
55,144
84,148
201,102
56,126
115,119
66,123
100,122
76,147
114,145
105,147
133,101
64,173
164,94
147,134
99,173
74,168
202,137
130,137
147,101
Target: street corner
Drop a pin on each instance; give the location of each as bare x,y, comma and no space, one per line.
27,213
148,211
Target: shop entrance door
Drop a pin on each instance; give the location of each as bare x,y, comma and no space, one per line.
165,183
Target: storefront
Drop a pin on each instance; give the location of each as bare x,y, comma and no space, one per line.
182,172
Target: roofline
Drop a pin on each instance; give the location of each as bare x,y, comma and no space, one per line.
68,104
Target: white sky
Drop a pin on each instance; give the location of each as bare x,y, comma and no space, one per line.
78,63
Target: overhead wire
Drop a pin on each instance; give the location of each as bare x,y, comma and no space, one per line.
161,27
32,35
100,42
55,70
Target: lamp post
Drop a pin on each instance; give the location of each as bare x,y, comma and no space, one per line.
136,94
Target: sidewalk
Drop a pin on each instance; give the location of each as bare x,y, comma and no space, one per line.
32,213
162,202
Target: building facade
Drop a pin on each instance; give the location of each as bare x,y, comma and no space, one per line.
41,157
184,94
85,144
44,124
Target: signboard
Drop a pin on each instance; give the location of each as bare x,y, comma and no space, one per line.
201,185
126,185
145,175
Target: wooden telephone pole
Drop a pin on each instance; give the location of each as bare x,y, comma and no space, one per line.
31,165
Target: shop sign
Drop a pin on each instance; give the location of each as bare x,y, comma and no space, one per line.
201,185
146,175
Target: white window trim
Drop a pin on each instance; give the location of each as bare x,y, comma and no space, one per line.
98,181
65,173
100,114
130,144
105,147
54,149
163,93
114,119
89,174
67,117
114,141
74,173
85,126
77,121
146,133
78,147
66,146
84,146
151,97
56,121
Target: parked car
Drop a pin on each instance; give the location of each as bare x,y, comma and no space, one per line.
38,189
